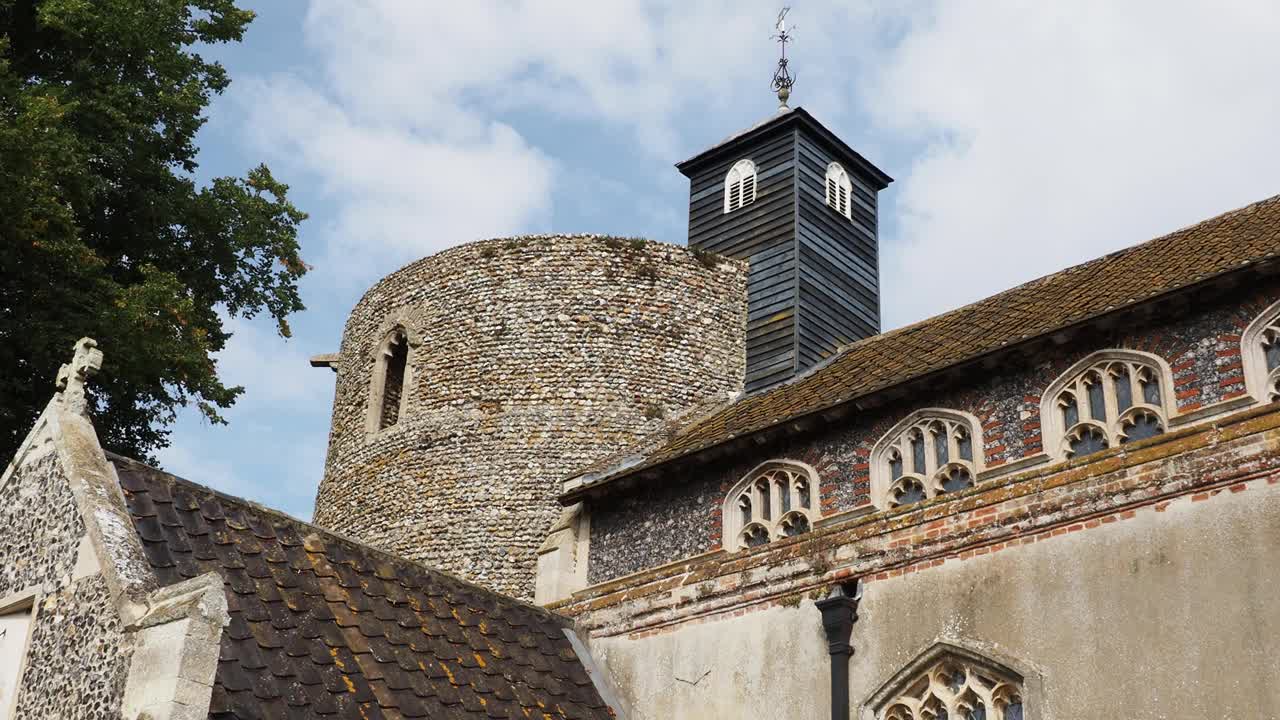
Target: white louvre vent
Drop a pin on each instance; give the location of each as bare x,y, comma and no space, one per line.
839,190
740,185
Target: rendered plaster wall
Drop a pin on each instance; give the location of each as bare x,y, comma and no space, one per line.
529,359
1171,614
78,657
767,664
1202,350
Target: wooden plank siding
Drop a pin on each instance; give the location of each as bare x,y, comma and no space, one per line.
813,283
838,294
763,232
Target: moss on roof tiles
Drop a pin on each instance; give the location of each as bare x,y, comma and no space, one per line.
1216,246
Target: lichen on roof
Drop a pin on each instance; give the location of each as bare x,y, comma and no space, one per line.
323,626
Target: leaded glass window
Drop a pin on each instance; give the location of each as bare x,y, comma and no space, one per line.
773,503
1260,352
1271,359
930,455
1124,389
1087,441
1271,350
956,688
1109,403
918,464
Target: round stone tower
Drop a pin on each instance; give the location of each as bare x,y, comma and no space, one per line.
471,382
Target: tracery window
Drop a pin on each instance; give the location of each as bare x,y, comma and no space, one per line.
740,185
954,688
1108,399
776,500
387,399
839,190
930,453
1261,353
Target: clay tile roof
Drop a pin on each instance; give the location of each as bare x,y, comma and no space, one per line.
1230,241
322,626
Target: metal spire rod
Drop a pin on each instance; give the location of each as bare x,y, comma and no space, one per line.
782,79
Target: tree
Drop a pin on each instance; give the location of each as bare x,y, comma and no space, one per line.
103,229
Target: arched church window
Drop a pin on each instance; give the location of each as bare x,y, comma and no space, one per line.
953,687
930,453
839,190
776,500
740,185
390,380
1108,399
1261,355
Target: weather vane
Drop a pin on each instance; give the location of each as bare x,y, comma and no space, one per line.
782,79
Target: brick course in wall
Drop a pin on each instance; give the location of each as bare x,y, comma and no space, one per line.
529,358
1238,453
1201,348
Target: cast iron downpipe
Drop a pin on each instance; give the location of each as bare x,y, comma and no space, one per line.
839,612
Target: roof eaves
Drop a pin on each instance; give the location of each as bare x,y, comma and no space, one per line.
798,115
577,488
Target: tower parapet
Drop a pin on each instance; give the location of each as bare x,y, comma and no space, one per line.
471,381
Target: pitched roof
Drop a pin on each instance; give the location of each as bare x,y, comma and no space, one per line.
324,627
1231,241
784,118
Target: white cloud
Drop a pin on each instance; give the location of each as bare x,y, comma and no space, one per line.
1046,133
399,190
624,61
1057,132
403,126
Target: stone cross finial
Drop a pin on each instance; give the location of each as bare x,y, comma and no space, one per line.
71,378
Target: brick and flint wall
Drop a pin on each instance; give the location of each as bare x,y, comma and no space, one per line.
1201,347
529,359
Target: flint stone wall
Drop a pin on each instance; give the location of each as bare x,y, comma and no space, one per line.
529,359
1202,349
78,657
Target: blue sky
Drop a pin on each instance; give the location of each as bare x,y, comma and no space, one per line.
1024,137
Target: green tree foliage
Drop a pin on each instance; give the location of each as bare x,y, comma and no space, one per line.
103,230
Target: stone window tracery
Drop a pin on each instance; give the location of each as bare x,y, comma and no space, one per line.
955,688
740,185
839,190
390,381
776,500
1108,399
930,453
1261,355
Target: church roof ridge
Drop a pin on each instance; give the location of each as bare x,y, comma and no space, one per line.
1227,242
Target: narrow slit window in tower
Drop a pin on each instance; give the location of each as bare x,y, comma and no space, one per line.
393,384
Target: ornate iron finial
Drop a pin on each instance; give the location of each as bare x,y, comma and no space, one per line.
71,378
782,79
